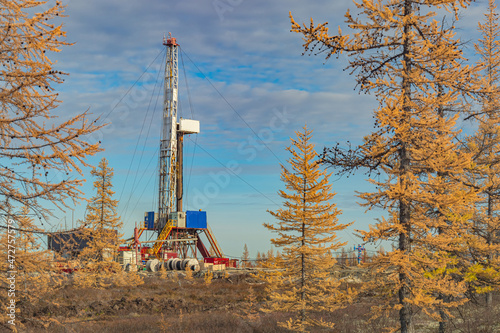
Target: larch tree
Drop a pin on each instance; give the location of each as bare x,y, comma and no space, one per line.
39,155
101,231
302,282
485,146
258,259
32,264
101,218
245,258
412,63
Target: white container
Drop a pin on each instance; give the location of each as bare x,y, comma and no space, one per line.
189,126
126,257
178,219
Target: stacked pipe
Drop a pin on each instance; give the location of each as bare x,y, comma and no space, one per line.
176,264
153,265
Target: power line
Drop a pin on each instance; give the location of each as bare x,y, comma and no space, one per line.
235,174
154,171
145,140
133,85
232,108
187,87
192,117
41,232
146,186
139,139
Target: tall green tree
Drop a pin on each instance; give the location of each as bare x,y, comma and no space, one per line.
403,55
302,282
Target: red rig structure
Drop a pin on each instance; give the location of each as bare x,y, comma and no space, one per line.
178,232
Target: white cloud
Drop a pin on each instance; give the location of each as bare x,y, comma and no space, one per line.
250,56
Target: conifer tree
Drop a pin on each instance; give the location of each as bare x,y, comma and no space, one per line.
38,153
342,257
301,283
101,227
485,145
33,266
32,262
258,259
101,218
403,55
245,257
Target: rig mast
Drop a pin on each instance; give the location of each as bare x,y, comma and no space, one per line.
178,231
168,145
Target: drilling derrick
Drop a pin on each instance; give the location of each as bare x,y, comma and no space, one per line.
178,231
168,144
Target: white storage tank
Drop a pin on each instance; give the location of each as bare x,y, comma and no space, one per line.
127,257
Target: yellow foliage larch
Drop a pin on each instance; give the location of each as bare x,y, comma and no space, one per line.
300,279
402,54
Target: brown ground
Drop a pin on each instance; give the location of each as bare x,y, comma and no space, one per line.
170,304
177,305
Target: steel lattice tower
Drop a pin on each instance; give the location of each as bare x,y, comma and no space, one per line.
168,144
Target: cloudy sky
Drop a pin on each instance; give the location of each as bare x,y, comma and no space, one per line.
242,74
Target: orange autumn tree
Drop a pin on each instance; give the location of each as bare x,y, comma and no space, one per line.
38,151
101,230
32,263
402,54
245,258
302,282
101,219
484,145
41,155
21,252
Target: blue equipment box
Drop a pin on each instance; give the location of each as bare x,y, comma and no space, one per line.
196,219
149,220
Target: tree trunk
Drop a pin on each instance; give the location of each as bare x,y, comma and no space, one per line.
442,322
303,277
489,295
489,299
102,198
442,315
404,169
404,290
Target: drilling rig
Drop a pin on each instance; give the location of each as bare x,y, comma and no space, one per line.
178,231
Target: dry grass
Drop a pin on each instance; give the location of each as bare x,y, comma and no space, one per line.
476,317
175,304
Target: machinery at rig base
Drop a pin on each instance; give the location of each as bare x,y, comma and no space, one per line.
178,232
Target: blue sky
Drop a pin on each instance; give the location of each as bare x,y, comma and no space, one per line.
258,81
